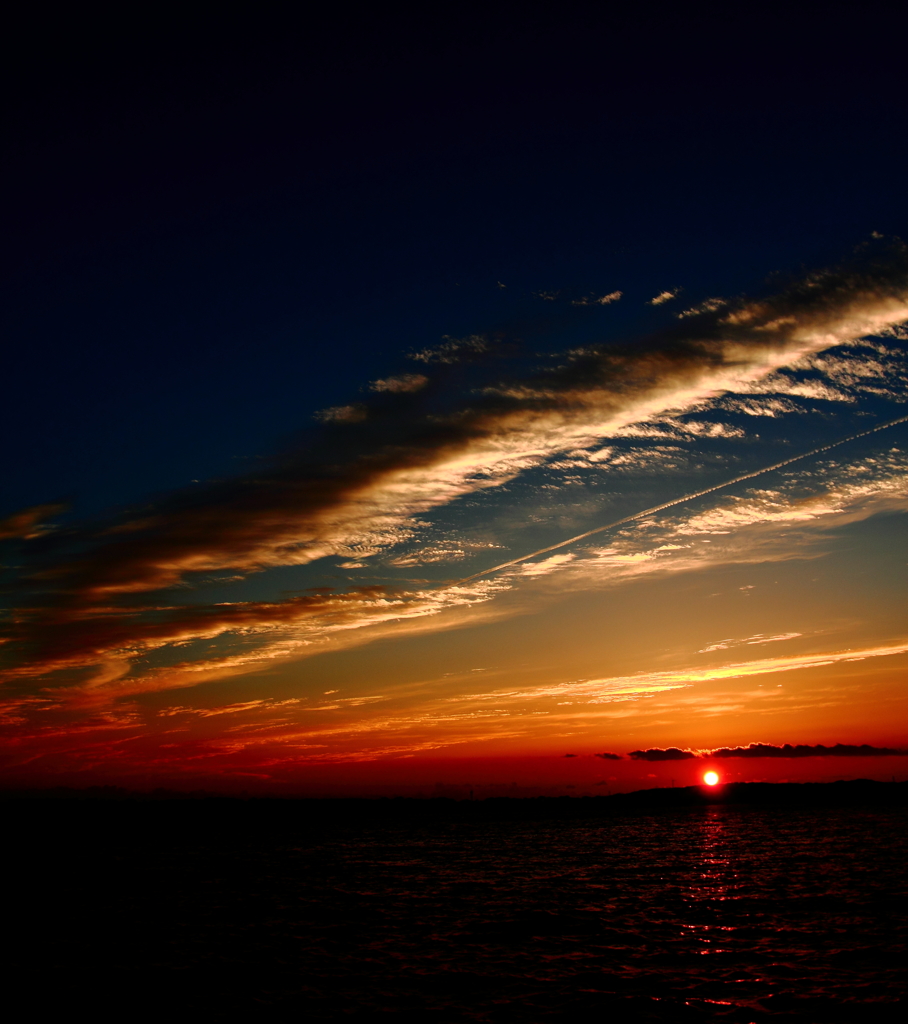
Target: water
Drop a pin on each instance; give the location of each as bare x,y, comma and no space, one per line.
715,914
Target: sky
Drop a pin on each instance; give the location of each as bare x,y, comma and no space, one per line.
412,407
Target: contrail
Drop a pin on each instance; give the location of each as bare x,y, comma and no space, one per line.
686,497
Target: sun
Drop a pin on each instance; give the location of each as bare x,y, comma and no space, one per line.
710,778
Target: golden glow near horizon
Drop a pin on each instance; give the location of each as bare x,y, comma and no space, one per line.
711,779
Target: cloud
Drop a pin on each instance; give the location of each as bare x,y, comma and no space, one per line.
453,350
852,490
767,750
806,750
761,525
342,414
229,709
357,487
863,368
547,565
609,757
30,522
770,407
665,296
280,630
401,384
612,689
449,550
758,638
592,300
707,306
262,632
658,754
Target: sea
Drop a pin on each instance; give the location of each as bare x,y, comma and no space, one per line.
713,913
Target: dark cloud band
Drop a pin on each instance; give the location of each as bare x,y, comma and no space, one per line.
806,750
755,750
659,754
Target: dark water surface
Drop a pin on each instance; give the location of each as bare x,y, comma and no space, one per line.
711,914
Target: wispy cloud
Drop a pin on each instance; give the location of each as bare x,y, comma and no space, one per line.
764,524
757,638
620,688
414,443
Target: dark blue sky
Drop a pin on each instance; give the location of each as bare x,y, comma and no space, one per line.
215,229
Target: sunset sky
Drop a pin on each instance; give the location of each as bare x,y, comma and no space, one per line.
323,348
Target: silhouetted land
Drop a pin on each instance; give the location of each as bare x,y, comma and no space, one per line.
202,805
752,904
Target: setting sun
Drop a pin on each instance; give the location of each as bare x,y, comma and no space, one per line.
710,778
